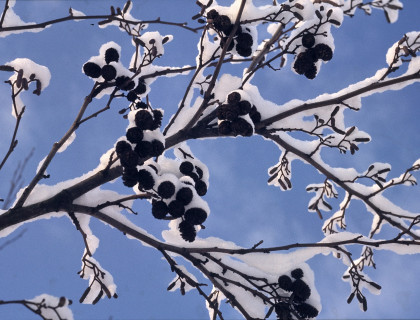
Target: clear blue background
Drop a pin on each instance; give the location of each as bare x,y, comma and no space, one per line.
244,208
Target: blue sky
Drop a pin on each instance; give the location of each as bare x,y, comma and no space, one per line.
47,257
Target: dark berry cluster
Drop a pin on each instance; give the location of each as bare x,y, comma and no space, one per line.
175,197
300,292
242,40
177,201
187,168
231,116
146,120
134,94
131,157
305,61
109,73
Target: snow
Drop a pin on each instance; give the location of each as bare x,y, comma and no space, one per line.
347,4
217,297
18,105
29,68
126,16
68,142
47,302
155,40
76,13
13,20
105,159
95,287
177,285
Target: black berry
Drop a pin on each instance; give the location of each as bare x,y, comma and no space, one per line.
231,111
186,167
221,111
241,127
141,105
225,128
157,148
122,147
129,177
159,209
131,96
92,70
285,283
129,159
108,72
184,195
145,179
244,107
143,120
312,55
212,14
143,149
141,87
222,23
195,216
308,40
157,115
310,73
244,39
134,135
166,189
176,208
301,290
223,43
201,188
187,231
306,310
297,273
124,83
111,54
255,115
305,61
234,97
128,182
323,52
243,50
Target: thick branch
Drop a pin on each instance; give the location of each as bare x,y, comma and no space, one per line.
337,100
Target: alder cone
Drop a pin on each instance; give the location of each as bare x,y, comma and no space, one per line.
187,230
108,72
92,70
225,128
111,54
166,189
176,208
159,209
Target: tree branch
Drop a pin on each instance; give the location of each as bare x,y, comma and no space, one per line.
337,100
366,199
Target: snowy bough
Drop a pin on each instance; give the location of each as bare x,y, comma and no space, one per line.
155,161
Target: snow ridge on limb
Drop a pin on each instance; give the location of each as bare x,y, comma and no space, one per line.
46,306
